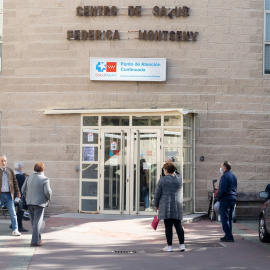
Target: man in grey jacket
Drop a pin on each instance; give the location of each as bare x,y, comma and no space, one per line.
37,192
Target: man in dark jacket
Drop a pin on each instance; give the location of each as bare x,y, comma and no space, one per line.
18,166
227,198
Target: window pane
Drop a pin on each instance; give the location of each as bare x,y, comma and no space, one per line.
89,205
90,171
90,136
267,59
187,191
173,120
267,27
187,134
115,120
187,207
90,153
267,4
172,136
1,25
187,172
146,121
187,154
89,189
187,121
90,120
0,57
172,152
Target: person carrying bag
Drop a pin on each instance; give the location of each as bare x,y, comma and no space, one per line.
38,194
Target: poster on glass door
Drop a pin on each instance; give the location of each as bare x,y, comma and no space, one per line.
88,153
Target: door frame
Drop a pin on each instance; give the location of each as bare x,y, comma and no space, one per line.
132,180
103,131
129,177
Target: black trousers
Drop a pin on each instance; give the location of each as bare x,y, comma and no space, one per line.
169,233
19,217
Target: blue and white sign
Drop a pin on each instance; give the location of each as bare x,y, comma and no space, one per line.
127,69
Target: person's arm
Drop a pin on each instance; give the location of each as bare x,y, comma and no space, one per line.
222,187
158,194
47,189
24,188
15,185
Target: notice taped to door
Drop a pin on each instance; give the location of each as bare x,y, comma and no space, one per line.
113,145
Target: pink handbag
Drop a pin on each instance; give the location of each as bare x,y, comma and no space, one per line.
155,222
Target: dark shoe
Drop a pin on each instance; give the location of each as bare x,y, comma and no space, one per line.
35,245
22,230
40,242
224,239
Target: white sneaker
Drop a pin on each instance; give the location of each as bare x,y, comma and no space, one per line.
16,233
182,247
168,248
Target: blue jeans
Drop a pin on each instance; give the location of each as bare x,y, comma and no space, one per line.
7,201
145,194
226,213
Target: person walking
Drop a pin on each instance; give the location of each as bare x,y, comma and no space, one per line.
37,192
18,166
9,186
227,191
168,202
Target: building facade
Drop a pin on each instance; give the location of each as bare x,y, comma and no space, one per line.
104,142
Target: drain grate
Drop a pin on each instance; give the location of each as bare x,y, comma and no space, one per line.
196,246
127,251
124,251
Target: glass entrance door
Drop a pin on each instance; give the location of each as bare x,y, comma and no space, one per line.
130,169
114,176
146,163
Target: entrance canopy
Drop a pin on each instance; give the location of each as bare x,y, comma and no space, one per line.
117,111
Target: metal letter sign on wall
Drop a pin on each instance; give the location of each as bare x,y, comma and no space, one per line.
127,69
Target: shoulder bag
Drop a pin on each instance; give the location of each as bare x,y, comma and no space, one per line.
22,203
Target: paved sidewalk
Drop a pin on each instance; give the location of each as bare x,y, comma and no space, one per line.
83,241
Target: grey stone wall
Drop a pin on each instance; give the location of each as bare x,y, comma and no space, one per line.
220,76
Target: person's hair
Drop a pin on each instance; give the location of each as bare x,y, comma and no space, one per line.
39,167
168,159
170,167
3,155
227,165
18,165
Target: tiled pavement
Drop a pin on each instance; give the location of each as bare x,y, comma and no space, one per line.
71,241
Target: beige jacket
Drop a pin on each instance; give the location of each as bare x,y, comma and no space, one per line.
13,184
